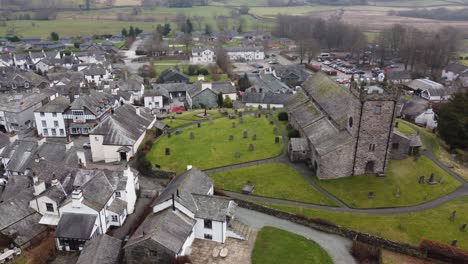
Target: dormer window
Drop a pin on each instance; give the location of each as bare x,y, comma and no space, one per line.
49,207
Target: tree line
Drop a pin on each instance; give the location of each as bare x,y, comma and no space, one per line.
312,34
424,53
438,14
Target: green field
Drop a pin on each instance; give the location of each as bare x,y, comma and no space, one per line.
176,123
212,148
433,224
276,246
275,180
403,175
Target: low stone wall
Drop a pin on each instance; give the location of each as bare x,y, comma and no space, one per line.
328,227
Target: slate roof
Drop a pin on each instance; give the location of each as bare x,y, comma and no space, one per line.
225,87
17,103
130,84
297,72
305,114
173,87
201,49
325,137
414,107
172,75
125,126
95,102
75,226
94,69
190,182
299,144
118,206
456,68
20,153
265,98
4,140
25,229
243,49
415,140
102,249
97,191
170,229
268,83
158,90
215,208
14,210
58,105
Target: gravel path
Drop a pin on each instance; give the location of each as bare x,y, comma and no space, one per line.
337,247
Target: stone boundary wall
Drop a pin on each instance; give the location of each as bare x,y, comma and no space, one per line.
328,227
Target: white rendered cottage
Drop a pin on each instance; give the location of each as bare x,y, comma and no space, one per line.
185,210
101,200
202,55
119,136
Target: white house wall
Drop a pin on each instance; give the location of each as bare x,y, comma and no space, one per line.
217,230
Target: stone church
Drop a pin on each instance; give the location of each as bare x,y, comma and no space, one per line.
344,131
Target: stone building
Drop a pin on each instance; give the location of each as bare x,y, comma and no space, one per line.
348,130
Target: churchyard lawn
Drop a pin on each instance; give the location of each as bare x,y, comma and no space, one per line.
274,245
274,180
211,146
433,224
402,175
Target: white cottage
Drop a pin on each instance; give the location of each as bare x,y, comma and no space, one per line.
119,136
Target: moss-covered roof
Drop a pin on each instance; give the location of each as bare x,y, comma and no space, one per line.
333,98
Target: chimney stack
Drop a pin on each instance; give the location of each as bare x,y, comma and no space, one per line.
138,111
41,141
77,198
69,144
39,186
54,181
13,137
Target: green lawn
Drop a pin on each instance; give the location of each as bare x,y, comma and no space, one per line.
176,123
192,115
440,150
402,175
464,55
433,224
212,148
405,129
276,246
275,180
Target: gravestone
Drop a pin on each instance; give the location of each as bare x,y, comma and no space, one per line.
370,195
246,134
454,243
168,151
178,132
275,130
241,120
192,135
398,194
231,138
271,122
254,137
169,134
421,180
157,166
277,140
452,216
248,188
431,179
237,154
259,115
198,124
251,147
233,125
463,228
240,114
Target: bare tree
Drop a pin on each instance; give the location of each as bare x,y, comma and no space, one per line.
312,49
222,60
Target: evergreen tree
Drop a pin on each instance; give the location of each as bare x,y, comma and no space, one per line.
54,36
167,29
131,32
452,121
220,100
124,32
208,30
244,82
227,102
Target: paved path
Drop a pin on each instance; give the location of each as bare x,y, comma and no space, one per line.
337,247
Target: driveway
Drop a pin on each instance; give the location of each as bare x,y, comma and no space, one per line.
337,247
